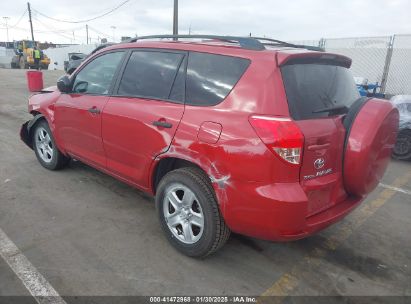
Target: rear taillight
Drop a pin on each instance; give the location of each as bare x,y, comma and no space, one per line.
281,135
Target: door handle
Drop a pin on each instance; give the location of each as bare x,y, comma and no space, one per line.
94,110
162,124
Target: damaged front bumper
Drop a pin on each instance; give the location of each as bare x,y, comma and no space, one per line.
25,131
25,134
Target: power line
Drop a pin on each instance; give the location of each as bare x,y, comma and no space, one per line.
98,32
54,31
25,11
86,20
15,28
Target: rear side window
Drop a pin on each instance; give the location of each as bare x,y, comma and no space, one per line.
314,87
150,74
210,78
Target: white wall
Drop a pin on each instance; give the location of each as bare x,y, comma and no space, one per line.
59,55
5,57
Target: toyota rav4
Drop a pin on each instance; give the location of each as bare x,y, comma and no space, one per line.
255,136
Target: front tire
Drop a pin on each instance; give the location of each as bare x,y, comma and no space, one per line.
189,213
45,148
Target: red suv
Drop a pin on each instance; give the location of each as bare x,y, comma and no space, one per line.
250,135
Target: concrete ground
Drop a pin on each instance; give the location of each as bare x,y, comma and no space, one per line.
89,234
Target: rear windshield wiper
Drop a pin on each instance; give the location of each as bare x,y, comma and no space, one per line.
336,110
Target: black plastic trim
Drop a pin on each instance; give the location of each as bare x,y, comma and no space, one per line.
26,128
350,118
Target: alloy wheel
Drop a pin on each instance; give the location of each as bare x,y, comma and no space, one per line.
44,144
183,213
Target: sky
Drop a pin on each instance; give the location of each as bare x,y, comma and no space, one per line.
285,20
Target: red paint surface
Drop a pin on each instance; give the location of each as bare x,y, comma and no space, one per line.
369,147
259,194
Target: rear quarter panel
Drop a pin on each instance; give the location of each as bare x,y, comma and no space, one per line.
239,154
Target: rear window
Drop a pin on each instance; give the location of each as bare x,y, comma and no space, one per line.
315,87
210,77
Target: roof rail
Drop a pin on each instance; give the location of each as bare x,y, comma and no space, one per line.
279,42
245,42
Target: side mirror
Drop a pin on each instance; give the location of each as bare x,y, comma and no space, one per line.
64,84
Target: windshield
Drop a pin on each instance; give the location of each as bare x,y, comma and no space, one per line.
312,89
30,44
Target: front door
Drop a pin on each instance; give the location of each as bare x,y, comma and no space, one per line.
142,116
78,114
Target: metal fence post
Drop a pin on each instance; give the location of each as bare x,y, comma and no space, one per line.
387,64
321,43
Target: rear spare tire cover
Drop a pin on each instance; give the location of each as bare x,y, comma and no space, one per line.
370,139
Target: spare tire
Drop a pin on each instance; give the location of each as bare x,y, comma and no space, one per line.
372,126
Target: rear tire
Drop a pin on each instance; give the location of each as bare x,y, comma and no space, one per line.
189,213
45,148
402,148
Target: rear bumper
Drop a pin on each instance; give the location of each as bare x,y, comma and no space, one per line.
277,212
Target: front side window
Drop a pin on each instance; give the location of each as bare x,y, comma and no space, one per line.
210,77
150,74
96,77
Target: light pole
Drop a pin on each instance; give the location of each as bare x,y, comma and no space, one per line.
6,19
113,28
175,18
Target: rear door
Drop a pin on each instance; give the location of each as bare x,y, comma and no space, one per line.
319,93
141,118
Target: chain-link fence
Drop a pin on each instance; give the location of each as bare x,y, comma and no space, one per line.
399,66
385,60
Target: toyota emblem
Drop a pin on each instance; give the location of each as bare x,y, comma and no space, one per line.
319,163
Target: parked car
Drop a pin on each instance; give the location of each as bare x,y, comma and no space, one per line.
75,59
402,149
250,135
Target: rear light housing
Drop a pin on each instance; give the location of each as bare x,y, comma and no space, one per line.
281,135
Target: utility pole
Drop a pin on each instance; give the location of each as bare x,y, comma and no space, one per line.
175,18
87,32
114,34
31,23
7,26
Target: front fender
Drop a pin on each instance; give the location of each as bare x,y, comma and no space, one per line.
43,103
